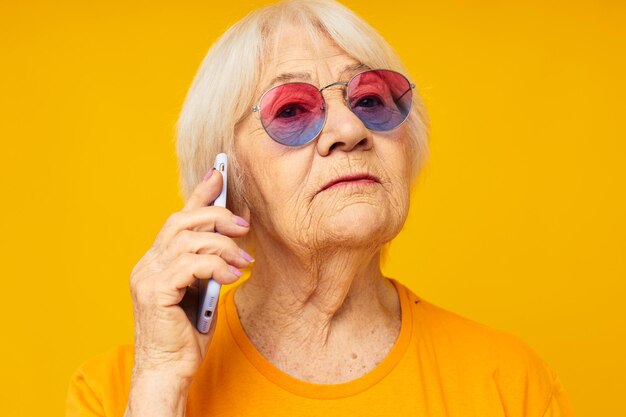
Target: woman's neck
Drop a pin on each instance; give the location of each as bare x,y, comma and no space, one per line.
305,314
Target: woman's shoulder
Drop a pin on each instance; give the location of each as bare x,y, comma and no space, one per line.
115,361
504,351
471,352
442,326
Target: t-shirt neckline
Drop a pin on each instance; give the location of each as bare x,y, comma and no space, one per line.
314,390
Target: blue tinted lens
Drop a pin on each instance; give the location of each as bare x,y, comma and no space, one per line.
380,98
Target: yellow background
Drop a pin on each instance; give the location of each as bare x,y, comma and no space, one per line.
517,221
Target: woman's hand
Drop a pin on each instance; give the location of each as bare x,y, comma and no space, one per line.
168,348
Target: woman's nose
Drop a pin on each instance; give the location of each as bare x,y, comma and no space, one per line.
343,129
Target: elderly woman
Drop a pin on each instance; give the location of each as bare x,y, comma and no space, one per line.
325,134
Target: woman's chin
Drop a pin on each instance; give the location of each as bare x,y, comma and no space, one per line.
362,224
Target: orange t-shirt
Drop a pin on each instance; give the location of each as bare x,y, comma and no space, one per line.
441,364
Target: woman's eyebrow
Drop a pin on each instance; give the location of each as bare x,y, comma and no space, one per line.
290,76
305,76
353,68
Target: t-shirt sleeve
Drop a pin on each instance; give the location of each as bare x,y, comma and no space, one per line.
559,404
100,387
82,401
527,385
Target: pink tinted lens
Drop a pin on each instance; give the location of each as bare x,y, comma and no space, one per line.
293,113
380,98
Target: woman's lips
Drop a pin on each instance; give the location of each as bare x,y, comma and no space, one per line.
350,179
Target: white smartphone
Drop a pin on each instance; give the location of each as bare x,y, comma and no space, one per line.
209,289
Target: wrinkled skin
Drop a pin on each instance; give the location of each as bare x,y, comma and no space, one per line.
317,266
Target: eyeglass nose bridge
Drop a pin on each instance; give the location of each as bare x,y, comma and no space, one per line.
332,84
345,91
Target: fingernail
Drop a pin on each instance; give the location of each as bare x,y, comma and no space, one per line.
208,174
241,221
246,255
235,271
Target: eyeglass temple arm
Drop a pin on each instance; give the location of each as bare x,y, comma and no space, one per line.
412,86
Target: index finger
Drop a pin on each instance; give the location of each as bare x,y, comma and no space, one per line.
206,191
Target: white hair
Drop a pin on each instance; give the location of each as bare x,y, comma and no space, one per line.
221,94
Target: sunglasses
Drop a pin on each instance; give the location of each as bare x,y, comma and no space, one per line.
294,113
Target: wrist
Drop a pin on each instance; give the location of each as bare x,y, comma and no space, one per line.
171,366
157,394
